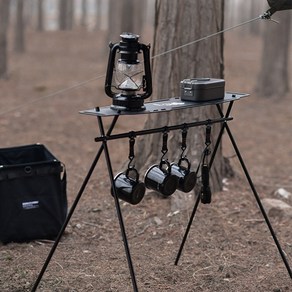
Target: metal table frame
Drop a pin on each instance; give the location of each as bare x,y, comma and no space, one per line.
155,107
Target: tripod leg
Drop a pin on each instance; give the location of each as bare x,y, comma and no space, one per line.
72,209
118,208
187,230
259,201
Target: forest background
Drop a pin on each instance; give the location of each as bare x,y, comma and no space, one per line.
55,67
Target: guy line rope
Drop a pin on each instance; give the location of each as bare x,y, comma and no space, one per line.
82,83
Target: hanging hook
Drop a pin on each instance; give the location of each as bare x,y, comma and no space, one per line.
208,135
184,140
207,142
164,148
131,150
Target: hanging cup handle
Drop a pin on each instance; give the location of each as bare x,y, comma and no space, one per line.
129,175
162,165
184,160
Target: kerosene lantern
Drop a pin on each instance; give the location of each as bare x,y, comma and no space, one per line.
128,80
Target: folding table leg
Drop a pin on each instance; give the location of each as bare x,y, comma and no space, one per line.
118,208
225,126
232,140
72,209
187,230
259,201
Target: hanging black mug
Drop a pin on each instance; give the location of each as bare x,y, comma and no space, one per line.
159,178
128,186
186,178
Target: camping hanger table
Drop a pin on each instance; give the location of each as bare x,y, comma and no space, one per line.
156,107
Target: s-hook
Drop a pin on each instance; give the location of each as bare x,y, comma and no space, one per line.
131,150
184,134
164,148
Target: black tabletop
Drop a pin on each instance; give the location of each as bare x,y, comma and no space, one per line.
164,105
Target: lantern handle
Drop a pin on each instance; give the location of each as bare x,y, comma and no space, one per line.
110,68
147,78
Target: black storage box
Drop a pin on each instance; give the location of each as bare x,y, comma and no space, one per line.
33,200
202,89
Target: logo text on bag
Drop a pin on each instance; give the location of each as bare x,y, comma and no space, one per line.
30,205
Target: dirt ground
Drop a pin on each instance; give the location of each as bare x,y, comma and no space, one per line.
229,247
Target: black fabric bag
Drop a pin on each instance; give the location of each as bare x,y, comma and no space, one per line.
33,199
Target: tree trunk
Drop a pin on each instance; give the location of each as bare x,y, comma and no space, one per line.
133,14
140,10
176,25
128,16
70,16
254,27
4,16
114,20
66,14
98,14
19,45
83,13
63,14
40,24
273,79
